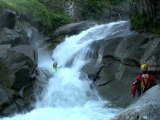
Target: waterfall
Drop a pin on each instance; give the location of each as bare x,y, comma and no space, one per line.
70,95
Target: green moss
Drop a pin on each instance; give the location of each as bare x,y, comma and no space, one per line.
32,8
59,19
36,11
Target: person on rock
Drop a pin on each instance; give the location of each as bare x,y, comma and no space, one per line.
143,81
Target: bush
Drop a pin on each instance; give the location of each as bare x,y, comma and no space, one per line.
58,20
94,9
90,9
140,23
144,23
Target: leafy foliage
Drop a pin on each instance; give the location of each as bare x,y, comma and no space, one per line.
36,11
52,12
147,21
56,6
143,23
139,22
93,9
27,7
58,20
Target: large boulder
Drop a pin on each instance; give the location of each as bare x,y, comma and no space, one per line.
147,107
72,28
8,19
69,29
18,63
17,66
20,80
121,60
21,35
93,67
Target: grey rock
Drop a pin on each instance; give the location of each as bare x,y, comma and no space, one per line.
18,67
121,61
73,28
8,19
9,36
147,107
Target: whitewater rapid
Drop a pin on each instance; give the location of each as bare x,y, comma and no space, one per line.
68,95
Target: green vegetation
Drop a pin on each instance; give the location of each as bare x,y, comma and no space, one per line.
30,8
36,11
59,19
116,1
140,23
51,12
144,23
93,9
146,19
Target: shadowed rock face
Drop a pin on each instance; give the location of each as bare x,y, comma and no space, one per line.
16,68
121,61
144,7
8,19
122,57
18,62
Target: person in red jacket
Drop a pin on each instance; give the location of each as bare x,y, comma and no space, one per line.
143,81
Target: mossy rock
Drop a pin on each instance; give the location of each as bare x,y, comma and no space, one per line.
36,11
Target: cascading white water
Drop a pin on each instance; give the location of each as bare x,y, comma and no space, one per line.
69,96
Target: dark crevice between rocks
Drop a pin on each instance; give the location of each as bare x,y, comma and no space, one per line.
110,57
130,62
116,98
103,84
146,40
137,117
97,76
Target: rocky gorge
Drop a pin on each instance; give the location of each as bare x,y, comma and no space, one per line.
122,57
